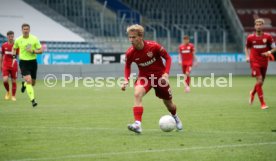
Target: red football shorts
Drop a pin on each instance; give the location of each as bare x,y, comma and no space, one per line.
161,87
257,70
10,71
186,69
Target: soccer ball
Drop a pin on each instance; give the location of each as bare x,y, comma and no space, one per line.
167,123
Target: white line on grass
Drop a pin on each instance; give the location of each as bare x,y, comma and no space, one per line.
148,151
120,129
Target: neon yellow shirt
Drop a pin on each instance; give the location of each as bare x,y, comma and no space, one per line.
24,43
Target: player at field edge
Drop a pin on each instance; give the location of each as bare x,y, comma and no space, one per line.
152,74
259,46
187,59
29,46
9,70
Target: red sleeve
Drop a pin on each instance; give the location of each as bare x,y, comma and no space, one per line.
17,51
164,54
248,42
2,51
127,66
179,51
271,43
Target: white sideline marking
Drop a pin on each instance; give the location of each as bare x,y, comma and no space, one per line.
120,129
148,151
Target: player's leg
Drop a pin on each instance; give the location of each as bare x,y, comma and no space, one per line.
172,109
186,72
259,73
163,91
141,88
26,69
14,85
188,78
6,85
254,72
260,81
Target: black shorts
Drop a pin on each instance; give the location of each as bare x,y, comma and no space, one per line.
28,67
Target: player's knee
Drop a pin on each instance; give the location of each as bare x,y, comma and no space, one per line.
5,79
260,81
28,81
138,94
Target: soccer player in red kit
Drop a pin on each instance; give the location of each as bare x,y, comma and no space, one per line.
152,74
259,46
186,59
7,66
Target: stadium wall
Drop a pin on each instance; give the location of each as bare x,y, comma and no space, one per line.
116,70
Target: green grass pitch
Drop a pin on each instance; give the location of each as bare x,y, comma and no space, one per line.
87,124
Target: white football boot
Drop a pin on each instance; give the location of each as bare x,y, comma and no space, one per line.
179,125
135,127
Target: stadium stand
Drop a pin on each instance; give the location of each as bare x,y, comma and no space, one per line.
192,16
99,25
15,13
165,22
248,10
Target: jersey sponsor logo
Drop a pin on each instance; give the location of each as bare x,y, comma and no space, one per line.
185,51
150,54
264,40
147,63
259,46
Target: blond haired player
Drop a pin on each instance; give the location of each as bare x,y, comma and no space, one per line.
259,46
152,74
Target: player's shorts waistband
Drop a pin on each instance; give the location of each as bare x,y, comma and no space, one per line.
33,60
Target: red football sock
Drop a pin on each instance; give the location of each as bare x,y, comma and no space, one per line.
13,88
138,112
254,89
188,79
6,85
259,90
173,111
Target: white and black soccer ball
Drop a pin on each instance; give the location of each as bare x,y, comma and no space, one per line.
167,123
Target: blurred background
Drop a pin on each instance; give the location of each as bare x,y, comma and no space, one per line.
94,31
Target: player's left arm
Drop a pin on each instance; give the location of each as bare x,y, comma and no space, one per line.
38,48
195,62
272,47
164,54
2,52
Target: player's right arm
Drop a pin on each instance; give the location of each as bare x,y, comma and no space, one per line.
15,49
247,49
179,56
195,62
1,59
127,71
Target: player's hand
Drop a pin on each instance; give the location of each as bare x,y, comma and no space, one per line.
266,54
165,76
13,62
247,59
124,85
180,63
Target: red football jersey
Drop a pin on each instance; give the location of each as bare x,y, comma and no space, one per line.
149,60
186,53
7,54
258,45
